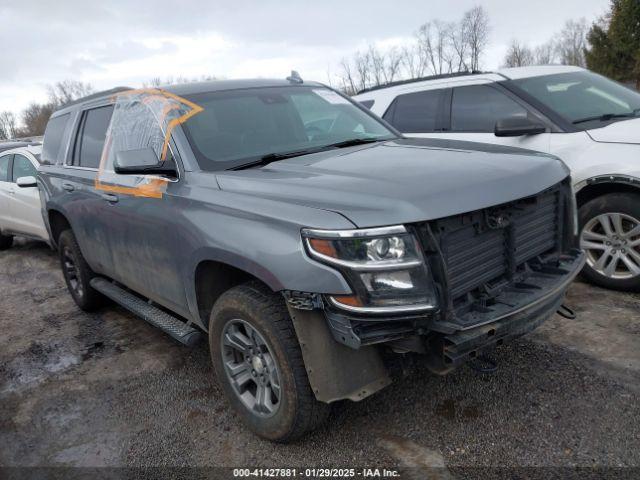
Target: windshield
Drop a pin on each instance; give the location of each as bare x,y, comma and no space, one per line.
583,98
239,127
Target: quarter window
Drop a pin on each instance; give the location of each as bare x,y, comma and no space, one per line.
415,112
477,108
22,167
4,167
54,135
91,135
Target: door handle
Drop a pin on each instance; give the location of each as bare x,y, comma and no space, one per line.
110,197
68,187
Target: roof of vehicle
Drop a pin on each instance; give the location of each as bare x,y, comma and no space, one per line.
31,150
419,79
220,85
191,88
501,74
8,145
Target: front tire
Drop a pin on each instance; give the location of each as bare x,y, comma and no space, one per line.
258,361
77,273
610,237
6,241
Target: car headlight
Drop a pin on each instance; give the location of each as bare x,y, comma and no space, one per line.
384,266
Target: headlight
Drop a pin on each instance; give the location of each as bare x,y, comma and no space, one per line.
384,266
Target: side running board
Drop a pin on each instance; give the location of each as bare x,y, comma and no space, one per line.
167,323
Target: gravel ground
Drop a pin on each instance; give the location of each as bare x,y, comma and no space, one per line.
106,389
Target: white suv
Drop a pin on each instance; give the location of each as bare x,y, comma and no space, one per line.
20,206
587,120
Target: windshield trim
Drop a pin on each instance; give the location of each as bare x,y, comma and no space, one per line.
240,163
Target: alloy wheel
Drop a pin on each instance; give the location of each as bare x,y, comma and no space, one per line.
71,271
611,242
250,368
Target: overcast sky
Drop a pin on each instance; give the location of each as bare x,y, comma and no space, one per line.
115,42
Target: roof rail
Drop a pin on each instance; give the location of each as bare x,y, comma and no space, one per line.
421,79
93,96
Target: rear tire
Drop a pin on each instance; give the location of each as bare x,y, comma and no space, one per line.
610,232
6,242
77,273
251,310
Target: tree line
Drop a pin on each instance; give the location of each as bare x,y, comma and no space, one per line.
437,47
610,46
34,118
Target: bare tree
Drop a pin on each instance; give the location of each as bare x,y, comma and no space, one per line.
460,44
518,55
376,65
392,64
347,77
545,54
67,91
412,61
476,28
35,118
434,42
362,64
572,42
8,126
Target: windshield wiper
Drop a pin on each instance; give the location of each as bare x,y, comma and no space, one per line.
606,117
274,157
352,142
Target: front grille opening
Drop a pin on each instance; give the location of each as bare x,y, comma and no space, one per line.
488,251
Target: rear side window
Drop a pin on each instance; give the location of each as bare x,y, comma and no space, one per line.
22,167
5,160
54,135
416,112
477,108
91,134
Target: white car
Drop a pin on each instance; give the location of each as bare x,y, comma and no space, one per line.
20,207
587,120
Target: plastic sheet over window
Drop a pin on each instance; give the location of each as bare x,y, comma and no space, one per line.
141,119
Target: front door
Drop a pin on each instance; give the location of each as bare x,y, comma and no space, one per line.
474,111
25,207
5,192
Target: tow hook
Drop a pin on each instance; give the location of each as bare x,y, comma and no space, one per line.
483,364
566,312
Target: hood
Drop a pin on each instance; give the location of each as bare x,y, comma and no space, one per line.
625,131
402,181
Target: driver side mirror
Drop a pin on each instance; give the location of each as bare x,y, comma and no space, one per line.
142,161
27,182
517,127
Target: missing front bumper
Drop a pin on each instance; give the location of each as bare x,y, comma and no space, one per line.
517,310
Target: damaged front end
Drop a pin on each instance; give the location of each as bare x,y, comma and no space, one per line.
493,275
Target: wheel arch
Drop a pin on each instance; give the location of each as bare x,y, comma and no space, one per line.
595,187
213,276
57,223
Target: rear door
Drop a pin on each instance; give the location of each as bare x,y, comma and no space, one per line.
5,191
472,113
89,213
24,206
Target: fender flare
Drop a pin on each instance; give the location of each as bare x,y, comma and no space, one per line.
213,254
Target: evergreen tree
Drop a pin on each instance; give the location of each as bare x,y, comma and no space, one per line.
615,43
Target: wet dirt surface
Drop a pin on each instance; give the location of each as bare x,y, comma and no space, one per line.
106,389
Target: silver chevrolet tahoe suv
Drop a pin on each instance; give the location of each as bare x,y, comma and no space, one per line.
312,242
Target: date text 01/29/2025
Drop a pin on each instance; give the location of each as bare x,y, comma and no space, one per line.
316,473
